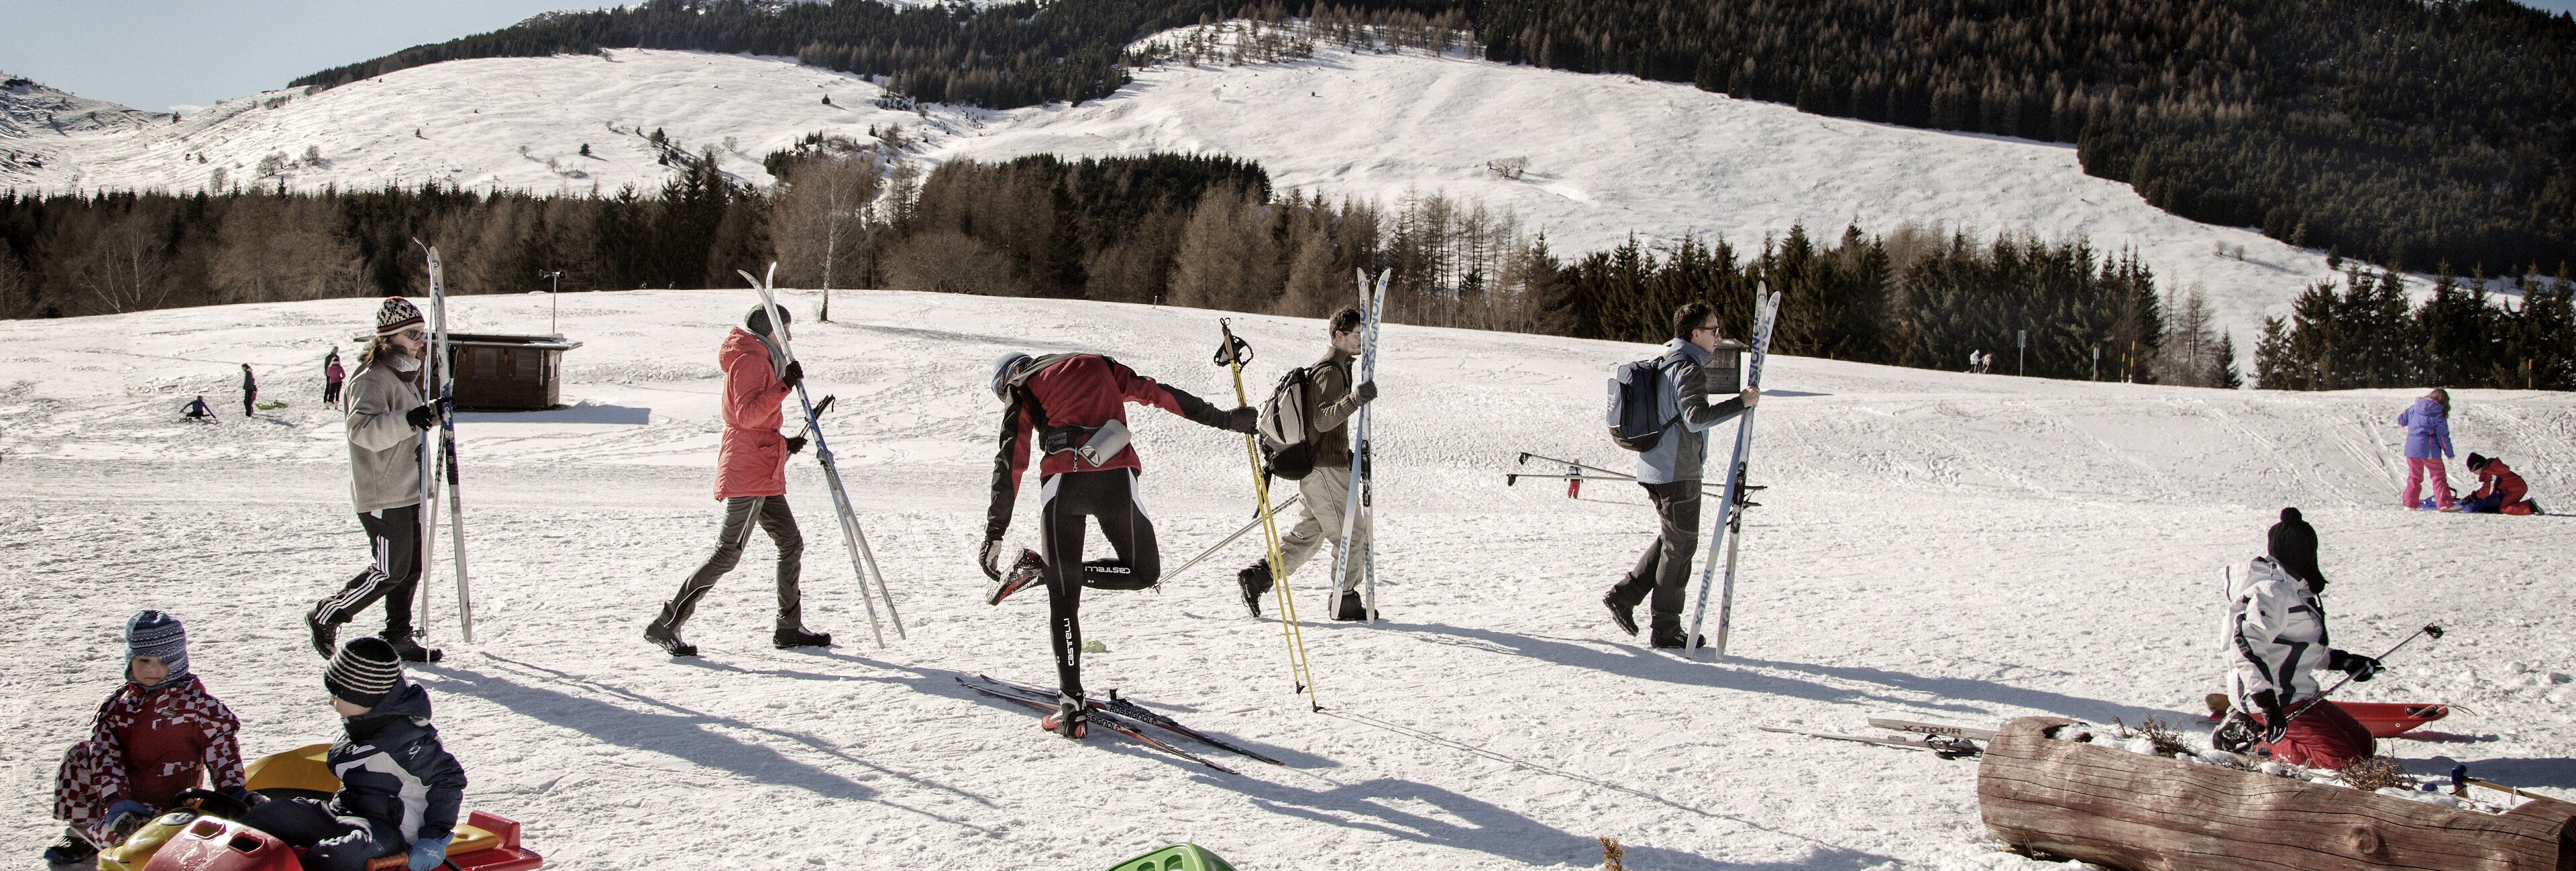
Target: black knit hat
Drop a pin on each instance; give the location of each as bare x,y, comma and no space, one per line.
364,671
2477,462
396,314
757,320
2294,546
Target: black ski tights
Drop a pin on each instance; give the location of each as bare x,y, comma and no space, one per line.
1108,495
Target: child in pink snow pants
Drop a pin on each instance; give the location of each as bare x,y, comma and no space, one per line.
2428,443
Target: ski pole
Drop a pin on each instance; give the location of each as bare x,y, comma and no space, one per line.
1211,551
2431,629
1232,355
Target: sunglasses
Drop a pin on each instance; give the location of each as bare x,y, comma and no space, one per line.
414,335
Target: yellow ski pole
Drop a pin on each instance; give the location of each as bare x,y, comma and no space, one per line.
1232,355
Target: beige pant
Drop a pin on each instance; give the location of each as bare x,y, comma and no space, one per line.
1323,493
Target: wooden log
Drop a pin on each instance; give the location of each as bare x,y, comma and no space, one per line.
2135,812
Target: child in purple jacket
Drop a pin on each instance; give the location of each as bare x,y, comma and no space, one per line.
2428,443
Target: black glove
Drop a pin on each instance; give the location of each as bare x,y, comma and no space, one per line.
2276,722
2362,668
422,417
795,373
1362,394
794,444
991,558
1243,420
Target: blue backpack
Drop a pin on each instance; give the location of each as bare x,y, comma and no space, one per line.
1637,391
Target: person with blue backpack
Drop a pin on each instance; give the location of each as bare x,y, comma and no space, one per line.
1673,388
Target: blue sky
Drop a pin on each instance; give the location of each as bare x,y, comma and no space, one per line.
156,54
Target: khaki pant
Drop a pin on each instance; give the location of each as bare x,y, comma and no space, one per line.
1323,493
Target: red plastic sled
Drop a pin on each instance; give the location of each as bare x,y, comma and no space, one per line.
2391,719
483,843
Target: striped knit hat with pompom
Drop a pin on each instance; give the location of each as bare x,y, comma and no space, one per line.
157,635
364,671
397,314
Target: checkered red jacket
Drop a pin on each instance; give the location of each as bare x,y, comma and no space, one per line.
153,743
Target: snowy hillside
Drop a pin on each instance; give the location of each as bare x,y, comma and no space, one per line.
1949,547
1606,155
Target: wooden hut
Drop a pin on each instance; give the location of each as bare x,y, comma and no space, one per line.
2136,812
507,373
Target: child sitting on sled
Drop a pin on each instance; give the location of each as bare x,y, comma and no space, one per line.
158,734
399,790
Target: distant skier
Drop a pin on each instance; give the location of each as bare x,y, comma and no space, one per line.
384,423
2428,443
1671,474
197,410
2500,491
1073,407
751,481
2277,628
1330,403
250,392
158,734
331,377
1976,362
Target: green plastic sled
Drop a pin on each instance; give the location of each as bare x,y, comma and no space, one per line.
1177,857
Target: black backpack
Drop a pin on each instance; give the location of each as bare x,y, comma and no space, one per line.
1637,392
1287,442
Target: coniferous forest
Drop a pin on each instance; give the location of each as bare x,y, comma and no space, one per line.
2400,132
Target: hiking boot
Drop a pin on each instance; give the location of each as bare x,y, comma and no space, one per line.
1623,615
1254,581
797,636
74,850
1672,638
2236,734
1072,718
410,649
326,636
1021,575
668,639
1348,608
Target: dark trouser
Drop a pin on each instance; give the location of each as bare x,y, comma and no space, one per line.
774,518
393,534
2487,504
249,403
330,393
334,843
1108,495
1665,567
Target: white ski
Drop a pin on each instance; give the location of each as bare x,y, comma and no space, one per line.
1371,305
446,380
1730,520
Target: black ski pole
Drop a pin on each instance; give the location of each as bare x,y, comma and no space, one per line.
2432,629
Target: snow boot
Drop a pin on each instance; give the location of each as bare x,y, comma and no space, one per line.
1348,608
326,636
1254,581
668,639
410,649
1672,638
75,850
796,636
1072,717
1021,575
1623,615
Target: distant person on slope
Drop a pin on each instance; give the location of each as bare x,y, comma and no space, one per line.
197,410
1331,400
331,378
158,734
1074,408
2500,491
2277,628
751,481
384,423
1976,361
1671,474
2428,443
250,392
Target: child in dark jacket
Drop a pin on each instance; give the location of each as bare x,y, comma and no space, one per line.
399,790
158,734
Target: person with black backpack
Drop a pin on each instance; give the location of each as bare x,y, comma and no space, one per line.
1325,403
1670,463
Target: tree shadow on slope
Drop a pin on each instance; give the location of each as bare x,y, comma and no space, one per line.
1956,695
1447,818
683,733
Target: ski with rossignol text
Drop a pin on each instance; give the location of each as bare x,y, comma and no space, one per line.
446,377
1130,709
1730,513
1943,729
863,561
1133,731
1361,465
1941,746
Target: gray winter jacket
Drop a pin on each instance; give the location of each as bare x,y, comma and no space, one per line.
384,451
1683,451
1330,406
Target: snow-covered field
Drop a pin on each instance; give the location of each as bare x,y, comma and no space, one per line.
1607,155
1933,545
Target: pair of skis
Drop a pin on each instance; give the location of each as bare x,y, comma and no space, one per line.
439,374
1119,715
1372,309
863,561
1729,527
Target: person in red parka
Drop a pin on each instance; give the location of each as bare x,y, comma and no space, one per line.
2500,491
158,735
1073,409
751,481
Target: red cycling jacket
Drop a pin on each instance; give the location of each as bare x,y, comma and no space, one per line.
1074,390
